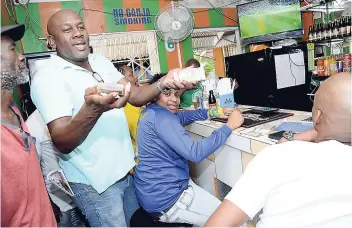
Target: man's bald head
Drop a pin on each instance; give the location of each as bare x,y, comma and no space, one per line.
332,109
192,62
67,34
58,18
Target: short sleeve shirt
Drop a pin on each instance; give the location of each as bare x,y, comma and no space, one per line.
106,155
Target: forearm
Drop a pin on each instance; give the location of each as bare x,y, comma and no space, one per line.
143,95
309,135
189,116
227,215
198,150
68,136
210,144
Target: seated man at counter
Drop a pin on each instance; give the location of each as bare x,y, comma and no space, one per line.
299,183
162,180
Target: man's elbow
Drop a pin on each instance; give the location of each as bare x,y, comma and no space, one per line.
63,147
135,101
196,159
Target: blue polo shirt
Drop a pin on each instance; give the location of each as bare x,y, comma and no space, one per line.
164,148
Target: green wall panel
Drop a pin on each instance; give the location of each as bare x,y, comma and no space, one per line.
109,5
216,18
30,40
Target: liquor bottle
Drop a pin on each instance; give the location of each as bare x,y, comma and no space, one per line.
315,33
342,27
338,25
348,31
326,32
319,33
330,32
335,29
310,34
212,99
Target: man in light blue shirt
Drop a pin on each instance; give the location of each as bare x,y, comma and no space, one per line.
90,130
162,180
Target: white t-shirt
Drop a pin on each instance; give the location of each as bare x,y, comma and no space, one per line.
298,184
106,155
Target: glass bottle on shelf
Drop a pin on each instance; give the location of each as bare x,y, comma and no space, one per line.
310,34
315,32
320,32
348,31
342,27
330,30
326,31
339,35
336,29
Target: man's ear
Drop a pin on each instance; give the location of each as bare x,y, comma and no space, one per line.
317,117
51,42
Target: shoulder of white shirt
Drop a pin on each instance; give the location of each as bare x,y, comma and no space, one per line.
55,64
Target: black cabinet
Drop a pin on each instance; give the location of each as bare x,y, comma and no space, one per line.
256,75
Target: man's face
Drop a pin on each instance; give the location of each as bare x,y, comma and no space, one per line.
169,100
70,38
13,68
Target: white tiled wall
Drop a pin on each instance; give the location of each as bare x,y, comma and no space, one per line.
228,164
205,175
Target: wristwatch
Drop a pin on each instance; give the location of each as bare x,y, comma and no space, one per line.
158,86
289,135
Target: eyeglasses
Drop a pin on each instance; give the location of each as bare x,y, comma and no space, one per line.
97,77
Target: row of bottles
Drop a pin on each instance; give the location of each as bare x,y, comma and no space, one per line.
330,65
338,28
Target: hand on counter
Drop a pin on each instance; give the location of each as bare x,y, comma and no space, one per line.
308,136
227,110
282,140
235,119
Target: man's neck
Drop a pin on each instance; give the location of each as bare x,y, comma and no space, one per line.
344,138
84,64
6,98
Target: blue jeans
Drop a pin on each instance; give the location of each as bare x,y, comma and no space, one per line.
112,208
72,218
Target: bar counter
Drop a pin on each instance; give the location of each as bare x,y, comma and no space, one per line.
221,170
